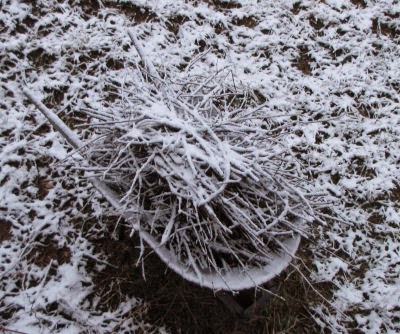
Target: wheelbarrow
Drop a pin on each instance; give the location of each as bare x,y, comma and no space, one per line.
238,277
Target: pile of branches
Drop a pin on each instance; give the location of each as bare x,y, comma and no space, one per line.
197,160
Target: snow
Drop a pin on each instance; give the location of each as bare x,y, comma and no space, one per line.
351,88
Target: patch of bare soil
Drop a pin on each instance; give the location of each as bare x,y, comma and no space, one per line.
47,251
139,14
247,21
5,230
175,21
302,63
359,3
224,4
382,28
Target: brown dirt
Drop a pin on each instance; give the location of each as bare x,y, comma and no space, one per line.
297,7
247,21
175,21
224,4
359,3
40,58
5,230
382,28
317,24
395,194
48,251
139,14
303,61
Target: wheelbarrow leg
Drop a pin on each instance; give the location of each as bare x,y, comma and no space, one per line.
230,302
240,306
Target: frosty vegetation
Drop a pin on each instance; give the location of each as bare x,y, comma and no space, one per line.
283,92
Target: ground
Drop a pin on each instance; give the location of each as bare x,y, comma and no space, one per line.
328,70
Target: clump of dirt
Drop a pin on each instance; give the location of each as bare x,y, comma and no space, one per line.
224,4
247,21
47,251
175,21
5,230
395,194
115,64
303,62
139,14
316,23
55,96
44,186
382,28
359,3
297,7
40,58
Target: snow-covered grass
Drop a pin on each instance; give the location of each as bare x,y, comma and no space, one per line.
328,71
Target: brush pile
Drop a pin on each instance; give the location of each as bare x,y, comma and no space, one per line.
197,159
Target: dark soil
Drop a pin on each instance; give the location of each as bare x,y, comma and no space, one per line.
303,61
5,230
47,251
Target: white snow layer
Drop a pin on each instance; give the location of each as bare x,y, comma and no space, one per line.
331,68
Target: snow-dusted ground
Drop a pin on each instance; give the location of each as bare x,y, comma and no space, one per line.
330,68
